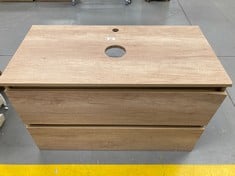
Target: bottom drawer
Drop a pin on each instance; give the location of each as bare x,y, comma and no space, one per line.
115,138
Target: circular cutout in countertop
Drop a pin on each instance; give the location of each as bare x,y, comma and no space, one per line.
115,51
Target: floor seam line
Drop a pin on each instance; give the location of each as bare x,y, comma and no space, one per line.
225,56
229,96
187,18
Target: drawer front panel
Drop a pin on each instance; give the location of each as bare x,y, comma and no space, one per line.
115,106
115,138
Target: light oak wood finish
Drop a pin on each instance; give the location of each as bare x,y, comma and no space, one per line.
16,0
156,56
71,95
53,0
115,138
116,106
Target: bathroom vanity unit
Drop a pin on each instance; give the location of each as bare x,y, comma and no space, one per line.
115,87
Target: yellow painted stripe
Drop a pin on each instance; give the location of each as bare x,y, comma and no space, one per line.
116,170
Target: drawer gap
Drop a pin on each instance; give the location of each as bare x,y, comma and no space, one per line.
191,89
124,126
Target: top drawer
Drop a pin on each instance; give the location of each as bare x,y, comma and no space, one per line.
191,107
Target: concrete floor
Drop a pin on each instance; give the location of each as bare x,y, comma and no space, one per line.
217,21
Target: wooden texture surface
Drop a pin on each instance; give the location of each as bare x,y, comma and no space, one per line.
115,138
53,0
16,0
116,106
156,56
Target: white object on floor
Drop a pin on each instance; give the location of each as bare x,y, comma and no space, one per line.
3,102
2,119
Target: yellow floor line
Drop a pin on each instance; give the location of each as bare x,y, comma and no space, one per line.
116,170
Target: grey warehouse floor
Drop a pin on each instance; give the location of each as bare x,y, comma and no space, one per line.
217,21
